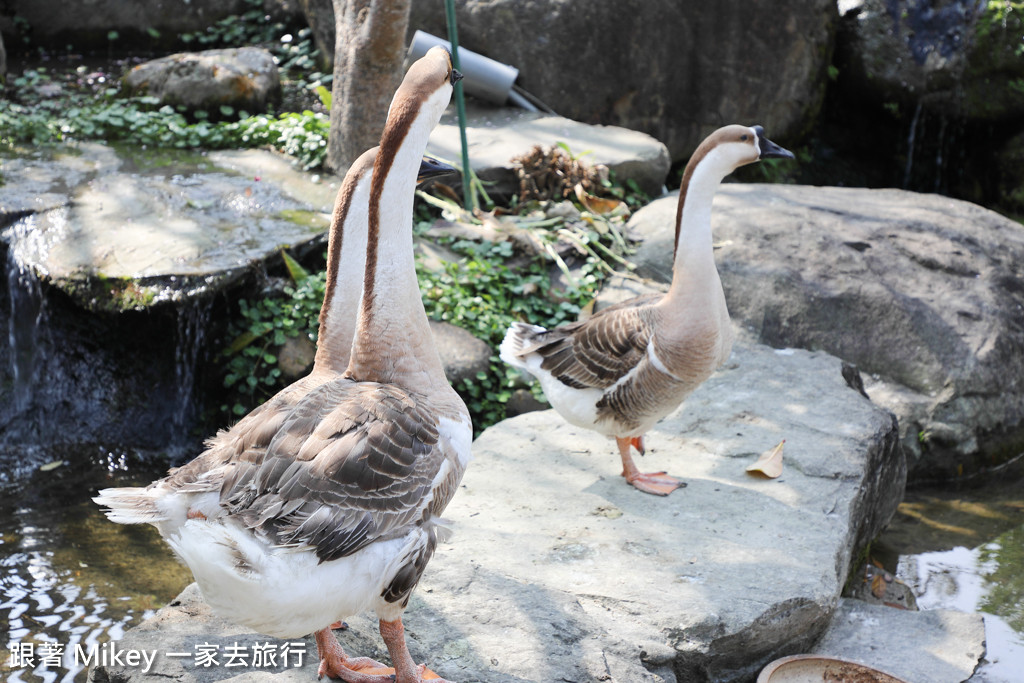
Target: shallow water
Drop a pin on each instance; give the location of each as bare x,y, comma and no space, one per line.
68,577
965,551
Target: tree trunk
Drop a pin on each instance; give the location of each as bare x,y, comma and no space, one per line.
320,17
368,54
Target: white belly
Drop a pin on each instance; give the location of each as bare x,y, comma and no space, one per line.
284,592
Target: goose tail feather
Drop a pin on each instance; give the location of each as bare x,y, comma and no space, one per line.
131,505
517,342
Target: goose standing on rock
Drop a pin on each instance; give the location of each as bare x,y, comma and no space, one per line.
630,365
325,501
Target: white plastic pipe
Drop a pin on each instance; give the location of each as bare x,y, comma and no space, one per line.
483,78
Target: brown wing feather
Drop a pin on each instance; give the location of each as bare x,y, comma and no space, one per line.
598,351
346,464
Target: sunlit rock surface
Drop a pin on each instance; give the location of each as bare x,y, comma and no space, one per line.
939,646
558,570
496,135
156,222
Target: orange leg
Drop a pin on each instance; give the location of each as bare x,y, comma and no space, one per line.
406,671
335,664
657,483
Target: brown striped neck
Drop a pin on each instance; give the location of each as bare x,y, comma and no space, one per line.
393,341
346,261
716,157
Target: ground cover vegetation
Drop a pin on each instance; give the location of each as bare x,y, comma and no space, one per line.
541,257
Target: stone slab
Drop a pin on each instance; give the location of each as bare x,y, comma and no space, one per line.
938,646
496,135
558,570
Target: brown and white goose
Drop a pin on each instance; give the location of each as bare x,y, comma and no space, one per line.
630,365
346,260
324,502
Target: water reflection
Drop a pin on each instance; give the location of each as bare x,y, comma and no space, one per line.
979,566
68,577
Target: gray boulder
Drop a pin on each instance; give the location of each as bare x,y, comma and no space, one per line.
95,24
120,261
244,78
558,570
673,70
922,292
938,646
495,136
463,355
959,58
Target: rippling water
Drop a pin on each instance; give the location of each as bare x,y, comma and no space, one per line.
964,551
68,577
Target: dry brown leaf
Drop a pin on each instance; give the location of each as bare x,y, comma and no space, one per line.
599,205
770,462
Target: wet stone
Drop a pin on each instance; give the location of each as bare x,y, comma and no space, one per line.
168,222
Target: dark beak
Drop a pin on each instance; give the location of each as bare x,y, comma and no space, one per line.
456,76
769,150
431,168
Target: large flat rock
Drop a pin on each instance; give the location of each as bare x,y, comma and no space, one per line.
924,293
938,646
496,135
119,214
560,571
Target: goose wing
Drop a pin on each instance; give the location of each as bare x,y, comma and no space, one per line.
348,464
599,351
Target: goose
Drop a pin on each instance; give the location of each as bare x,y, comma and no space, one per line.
629,365
325,502
346,258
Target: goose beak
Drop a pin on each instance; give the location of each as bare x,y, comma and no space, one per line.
769,150
432,168
456,76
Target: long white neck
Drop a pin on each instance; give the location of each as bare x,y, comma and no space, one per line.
393,340
346,262
694,264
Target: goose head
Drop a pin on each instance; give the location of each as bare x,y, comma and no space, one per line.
431,168
720,154
733,146
422,97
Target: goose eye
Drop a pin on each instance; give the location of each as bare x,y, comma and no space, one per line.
744,137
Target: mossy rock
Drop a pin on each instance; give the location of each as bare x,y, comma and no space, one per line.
957,58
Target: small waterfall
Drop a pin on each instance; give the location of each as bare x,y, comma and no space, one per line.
25,326
193,321
911,142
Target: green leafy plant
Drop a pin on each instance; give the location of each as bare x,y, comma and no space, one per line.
483,295
260,331
137,121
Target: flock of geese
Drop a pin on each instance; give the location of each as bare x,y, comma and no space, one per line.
325,501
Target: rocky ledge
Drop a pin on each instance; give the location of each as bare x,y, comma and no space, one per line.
560,571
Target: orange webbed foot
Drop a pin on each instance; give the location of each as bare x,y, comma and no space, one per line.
334,663
656,483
